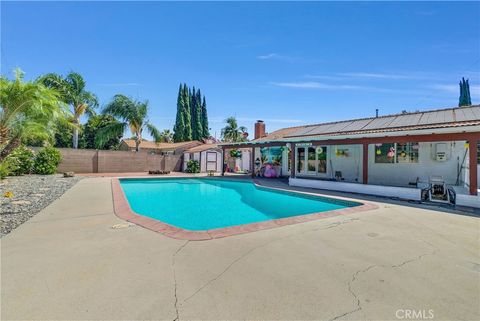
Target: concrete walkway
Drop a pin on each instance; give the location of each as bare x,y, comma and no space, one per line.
69,263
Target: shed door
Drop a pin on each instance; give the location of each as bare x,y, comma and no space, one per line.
211,161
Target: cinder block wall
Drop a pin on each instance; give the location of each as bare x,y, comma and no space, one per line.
77,160
106,161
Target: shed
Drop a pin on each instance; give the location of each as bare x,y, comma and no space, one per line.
209,157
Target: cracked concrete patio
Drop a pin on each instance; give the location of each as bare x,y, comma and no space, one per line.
68,262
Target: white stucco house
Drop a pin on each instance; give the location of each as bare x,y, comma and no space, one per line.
394,155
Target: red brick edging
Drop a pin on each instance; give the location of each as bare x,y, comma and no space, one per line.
122,210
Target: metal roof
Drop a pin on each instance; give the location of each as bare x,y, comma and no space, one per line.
451,117
457,117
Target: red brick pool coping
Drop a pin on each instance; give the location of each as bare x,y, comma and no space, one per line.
122,210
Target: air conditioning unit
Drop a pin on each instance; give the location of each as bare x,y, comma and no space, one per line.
441,152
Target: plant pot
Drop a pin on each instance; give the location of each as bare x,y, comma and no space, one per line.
278,170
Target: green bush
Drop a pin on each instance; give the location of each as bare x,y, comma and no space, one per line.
4,170
193,166
46,161
20,161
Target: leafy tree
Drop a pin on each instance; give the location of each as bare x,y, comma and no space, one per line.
204,118
232,133
131,114
187,118
28,110
166,136
73,92
63,136
93,126
465,99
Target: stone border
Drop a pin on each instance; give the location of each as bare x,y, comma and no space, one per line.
122,210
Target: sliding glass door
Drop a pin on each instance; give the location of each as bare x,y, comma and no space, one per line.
312,161
300,159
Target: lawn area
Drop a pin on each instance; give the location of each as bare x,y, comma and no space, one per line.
77,260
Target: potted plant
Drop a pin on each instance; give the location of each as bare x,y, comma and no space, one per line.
277,164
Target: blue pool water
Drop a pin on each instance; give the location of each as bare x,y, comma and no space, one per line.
204,204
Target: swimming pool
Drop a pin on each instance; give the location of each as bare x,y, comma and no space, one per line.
202,204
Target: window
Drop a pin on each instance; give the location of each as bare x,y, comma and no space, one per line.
311,159
322,159
407,153
385,153
478,153
390,153
300,159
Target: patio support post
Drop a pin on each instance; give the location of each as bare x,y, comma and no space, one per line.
223,161
472,146
292,160
252,162
365,164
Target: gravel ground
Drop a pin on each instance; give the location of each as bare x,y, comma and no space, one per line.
31,194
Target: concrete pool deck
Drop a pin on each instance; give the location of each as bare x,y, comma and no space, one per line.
77,260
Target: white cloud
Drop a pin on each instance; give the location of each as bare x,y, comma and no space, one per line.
285,58
318,85
455,89
376,75
270,56
120,84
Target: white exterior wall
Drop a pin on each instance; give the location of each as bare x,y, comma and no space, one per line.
245,160
350,166
388,191
186,158
399,174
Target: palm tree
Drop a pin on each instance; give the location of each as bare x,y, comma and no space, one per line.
232,133
28,110
132,114
166,136
73,93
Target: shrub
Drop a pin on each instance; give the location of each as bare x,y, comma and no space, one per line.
46,161
4,169
20,161
193,166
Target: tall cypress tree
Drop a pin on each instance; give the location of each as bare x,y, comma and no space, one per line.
179,128
187,118
197,125
204,119
465,99
193,113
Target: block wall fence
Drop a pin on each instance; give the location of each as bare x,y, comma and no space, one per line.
109,161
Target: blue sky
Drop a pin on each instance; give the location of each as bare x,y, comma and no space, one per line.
286,63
